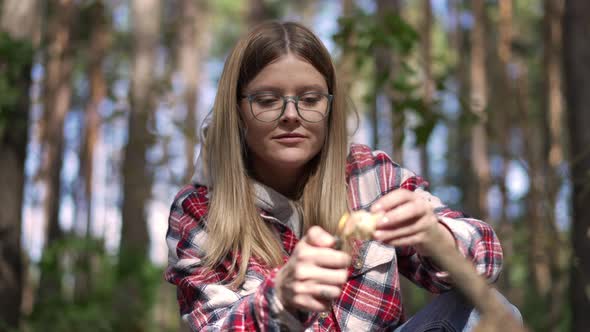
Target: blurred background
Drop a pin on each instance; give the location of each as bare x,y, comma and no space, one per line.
101,105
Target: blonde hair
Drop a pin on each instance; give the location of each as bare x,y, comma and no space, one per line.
234,225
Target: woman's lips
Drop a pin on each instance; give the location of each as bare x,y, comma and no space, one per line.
289,138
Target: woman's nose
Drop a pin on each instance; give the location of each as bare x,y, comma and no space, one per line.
290,113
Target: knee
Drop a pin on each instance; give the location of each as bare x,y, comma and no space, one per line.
456,300
511,307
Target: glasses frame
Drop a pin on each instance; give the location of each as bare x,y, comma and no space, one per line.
286,99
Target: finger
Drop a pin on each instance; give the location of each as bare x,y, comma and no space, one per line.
318,237
324,257
309,303
320,275
401,215
407,230
322,292
412,240
391,200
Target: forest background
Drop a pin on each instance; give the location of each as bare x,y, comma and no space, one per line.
102,102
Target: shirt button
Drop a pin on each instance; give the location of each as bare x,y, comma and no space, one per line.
358,264
323,314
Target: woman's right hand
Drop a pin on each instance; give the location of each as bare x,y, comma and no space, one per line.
314,274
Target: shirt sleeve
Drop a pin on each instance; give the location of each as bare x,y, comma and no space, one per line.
372,174
206,302
475,240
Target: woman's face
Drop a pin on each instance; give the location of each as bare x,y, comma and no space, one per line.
289,142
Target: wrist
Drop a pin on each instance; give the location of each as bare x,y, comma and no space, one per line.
286,317
279,291
440,234
278,286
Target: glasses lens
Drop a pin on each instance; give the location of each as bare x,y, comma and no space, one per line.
313,106
266,107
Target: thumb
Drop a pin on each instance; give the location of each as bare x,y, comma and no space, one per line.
318,237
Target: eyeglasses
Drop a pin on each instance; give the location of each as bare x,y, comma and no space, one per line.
270,106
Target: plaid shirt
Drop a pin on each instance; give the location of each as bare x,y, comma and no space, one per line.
371,298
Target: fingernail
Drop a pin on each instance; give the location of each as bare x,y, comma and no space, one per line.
377,207
378,234
384,220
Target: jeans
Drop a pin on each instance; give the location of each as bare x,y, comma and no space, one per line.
449,312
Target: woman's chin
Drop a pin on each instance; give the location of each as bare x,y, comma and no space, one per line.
291,163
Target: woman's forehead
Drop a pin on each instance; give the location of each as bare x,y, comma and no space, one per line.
288,72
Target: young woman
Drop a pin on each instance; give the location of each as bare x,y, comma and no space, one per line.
251,245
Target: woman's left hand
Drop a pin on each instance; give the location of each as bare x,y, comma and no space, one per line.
409,220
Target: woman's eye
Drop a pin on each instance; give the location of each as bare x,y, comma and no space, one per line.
266,101
310,100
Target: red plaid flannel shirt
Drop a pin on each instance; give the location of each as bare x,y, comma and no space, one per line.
371,298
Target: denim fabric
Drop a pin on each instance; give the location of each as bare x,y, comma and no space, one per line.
449,312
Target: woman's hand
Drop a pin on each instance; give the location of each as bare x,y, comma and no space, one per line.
314,274
409,220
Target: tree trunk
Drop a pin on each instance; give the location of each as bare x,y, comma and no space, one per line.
309,10
553,76
345,64
386,63
191,49
539,259
428,84
137,177
258,11
577,79
478,105
504,100
460,138
543,238
554,154
19,28
57,95
99,44
21,19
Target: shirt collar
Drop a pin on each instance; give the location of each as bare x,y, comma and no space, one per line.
267,199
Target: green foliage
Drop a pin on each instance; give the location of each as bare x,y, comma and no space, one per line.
370,33
98,309
364,36
229,22
15,60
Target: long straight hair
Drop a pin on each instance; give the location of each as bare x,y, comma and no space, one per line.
234,226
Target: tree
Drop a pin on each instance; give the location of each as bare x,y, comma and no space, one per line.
99,42
504,100
17,37
553,76
478,106
137,183
345,65
191,51
56,103
577,80
258,11
460,141
554,147
137,176
308,10
535,219
428,84
387,66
